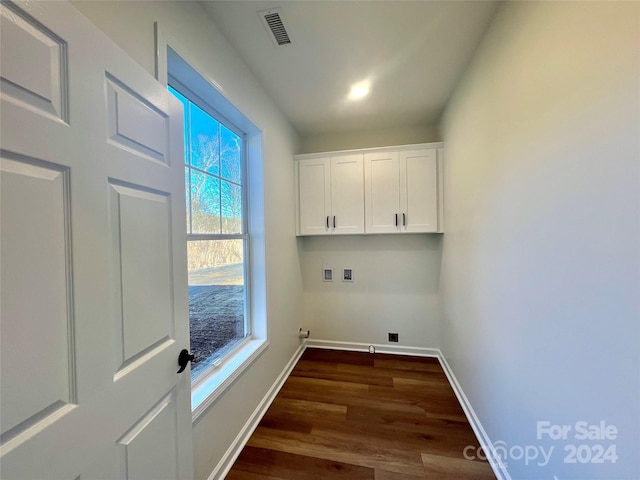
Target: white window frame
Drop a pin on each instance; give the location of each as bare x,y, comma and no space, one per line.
245,235
209,386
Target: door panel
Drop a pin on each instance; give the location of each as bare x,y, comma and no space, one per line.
94,303
35,260
140,455
135,123
39,83
140,218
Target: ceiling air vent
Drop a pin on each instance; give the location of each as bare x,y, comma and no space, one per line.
272,20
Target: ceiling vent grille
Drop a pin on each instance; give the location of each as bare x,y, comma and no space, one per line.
272,20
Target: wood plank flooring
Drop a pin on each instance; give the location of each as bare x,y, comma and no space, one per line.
352,415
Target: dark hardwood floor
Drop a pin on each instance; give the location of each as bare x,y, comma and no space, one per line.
352,415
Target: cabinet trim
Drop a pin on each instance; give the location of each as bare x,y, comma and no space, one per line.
394,148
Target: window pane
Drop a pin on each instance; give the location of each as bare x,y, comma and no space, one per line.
230,153
205,140
205,203
231,207
216,299
213,179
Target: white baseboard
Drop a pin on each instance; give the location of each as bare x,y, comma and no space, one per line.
232,453
379,348
493,458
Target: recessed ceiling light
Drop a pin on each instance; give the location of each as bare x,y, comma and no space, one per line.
359,90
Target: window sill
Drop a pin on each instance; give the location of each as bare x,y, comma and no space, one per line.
208,389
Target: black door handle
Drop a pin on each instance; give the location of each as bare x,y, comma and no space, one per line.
404,220
183,359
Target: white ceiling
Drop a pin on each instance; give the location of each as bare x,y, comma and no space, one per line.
412,52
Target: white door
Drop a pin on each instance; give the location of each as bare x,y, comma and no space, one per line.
419,190
347,195
314,195
382,192
94,298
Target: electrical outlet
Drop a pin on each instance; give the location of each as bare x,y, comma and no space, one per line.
393,337
327,274
347,275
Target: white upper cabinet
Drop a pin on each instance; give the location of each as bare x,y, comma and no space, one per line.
373,191
330,195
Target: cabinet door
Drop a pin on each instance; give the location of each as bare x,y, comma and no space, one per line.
314,196
419,193
347,195
382,192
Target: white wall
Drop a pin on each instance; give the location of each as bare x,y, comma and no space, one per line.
540,271
401,135
130,25
395,288
396,276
